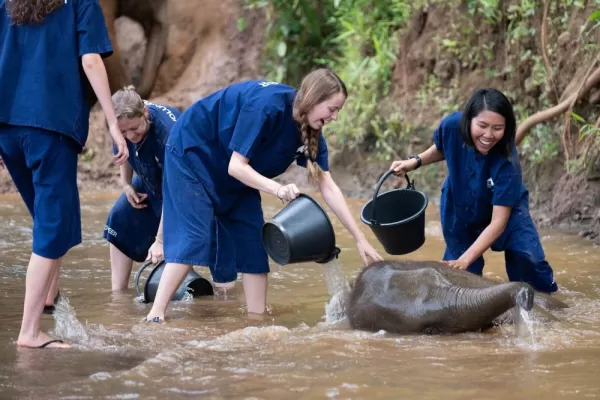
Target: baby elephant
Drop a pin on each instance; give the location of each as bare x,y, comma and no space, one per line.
430,298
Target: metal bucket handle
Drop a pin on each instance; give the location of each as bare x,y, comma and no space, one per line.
410,185
138,273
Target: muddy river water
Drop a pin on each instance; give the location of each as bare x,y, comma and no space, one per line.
209,348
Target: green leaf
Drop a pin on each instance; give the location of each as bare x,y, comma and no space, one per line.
577,117
241,24
595,16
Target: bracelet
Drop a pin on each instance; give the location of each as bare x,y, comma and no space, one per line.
277,192
159,240
416,157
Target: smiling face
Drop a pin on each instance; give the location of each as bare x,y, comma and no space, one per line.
134,129
487,129
326,111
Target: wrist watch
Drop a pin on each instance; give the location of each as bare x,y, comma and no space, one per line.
416,157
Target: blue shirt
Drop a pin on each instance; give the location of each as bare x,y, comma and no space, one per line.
253,118
147,157
477,182
42,83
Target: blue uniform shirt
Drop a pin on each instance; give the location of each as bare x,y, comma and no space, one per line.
253,118
38,63
475,183
148,157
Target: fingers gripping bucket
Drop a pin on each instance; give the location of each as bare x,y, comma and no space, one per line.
397,217
193,282
300,232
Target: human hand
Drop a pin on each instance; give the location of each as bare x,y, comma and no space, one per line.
134,198
287,192
457,264
403,166
155,253
1,163
120,144
366,250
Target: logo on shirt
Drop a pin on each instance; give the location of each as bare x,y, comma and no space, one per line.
265,84
163,108
300,151
490,183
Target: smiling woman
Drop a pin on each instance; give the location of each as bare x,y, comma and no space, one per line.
223,151
484,203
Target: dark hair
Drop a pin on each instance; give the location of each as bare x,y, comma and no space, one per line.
489,99
30,11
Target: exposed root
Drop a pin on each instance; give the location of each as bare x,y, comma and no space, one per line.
592,80
544,48
567,125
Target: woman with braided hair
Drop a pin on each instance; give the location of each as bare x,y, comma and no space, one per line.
222,152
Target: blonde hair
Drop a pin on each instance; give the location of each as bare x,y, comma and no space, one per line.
128,103
316,87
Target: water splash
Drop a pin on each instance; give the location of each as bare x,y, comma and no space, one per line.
525,328
67,324
338,288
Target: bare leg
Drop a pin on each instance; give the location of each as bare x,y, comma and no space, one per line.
223,289
120,266
53,291
255,288
170,280
40,273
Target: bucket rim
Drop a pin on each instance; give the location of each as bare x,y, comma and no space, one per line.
285,233
390,224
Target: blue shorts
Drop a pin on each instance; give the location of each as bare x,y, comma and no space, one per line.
523,255
228,243
132,230
43,166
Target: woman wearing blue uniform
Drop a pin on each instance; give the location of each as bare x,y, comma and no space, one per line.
48,49
484,203
221,154
134,225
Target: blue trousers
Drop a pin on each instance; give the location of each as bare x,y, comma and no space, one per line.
132,230
229,242
43,166
523,254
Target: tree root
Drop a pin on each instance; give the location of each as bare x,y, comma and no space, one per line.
544,48
592,79
567,126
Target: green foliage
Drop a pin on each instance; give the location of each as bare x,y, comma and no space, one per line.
358,39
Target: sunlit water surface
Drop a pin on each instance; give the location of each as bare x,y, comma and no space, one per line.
300,349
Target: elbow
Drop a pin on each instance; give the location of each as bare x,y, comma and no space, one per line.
90,61
234,169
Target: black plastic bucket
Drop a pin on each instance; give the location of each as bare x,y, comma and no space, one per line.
397,217
193,282
300,232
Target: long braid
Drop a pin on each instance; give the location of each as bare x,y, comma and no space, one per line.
310,139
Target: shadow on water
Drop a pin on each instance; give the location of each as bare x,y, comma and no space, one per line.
301,348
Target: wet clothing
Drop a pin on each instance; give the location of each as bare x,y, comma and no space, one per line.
475,183
133,230
253,118
42,81
44,115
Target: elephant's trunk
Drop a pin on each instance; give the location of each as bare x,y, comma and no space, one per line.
481,306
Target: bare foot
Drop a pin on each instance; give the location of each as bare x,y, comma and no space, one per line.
42,341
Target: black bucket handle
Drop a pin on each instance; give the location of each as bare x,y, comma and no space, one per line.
410,185
136,277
